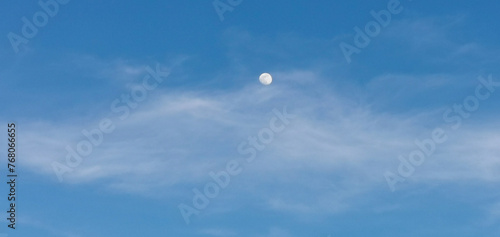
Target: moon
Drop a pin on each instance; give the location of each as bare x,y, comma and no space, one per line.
265,79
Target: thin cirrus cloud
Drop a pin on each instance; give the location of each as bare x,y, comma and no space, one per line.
178,136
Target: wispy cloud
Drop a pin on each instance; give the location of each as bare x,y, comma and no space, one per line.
179,136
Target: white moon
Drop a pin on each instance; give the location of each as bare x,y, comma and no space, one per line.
266,79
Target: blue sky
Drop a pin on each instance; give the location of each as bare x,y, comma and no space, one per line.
323,173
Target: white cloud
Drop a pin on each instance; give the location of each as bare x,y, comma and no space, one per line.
170,143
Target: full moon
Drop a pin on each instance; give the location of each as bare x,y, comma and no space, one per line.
266,79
